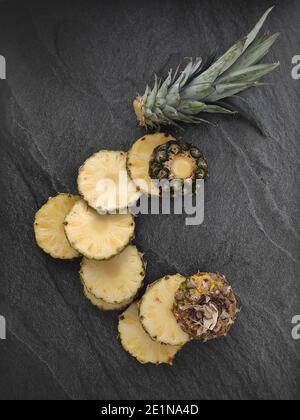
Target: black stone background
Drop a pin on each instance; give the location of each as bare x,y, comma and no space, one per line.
73,68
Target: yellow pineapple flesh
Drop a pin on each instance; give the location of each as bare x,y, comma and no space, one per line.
96,236
49,227
138,343
139,157
117,279
156,311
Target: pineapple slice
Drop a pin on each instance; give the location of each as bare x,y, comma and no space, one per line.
104,183
137,342
156,311
116,280
96,236
49,227
139,157
104,306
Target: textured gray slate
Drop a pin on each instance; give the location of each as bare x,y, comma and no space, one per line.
73,68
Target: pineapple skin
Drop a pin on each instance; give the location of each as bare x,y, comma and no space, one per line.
212,286
165,156
74,254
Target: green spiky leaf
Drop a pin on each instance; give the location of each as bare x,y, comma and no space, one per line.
200,87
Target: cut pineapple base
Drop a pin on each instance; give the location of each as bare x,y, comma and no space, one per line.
49,227
104,183
137,342
115,280
104,306
95,236
156,311
139,157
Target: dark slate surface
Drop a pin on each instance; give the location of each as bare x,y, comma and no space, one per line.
73,69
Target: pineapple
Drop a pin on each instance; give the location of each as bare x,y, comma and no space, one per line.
137,342
104,184
177,161
116,280
205,306
205,89
104,306
49,227
156,311
96,236
139,158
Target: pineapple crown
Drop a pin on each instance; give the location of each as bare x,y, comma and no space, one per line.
206,87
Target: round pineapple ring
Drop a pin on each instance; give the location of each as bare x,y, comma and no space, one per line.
137,342
104,183
156,313
138,160
104,306
96,236
49,227
116,280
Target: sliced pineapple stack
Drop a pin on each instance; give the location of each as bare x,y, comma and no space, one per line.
116,282
156,313
139,344
148,330
104,306
66,227
49,227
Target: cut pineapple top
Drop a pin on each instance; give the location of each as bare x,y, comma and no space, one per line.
115,280
96,236
137,342
104,183
104,306
49,227
139,157
156,311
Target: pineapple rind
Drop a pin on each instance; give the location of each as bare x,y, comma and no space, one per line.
111,281
101,166
49,233
220,302
137,342
104,306
156,314
85,249
138,161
